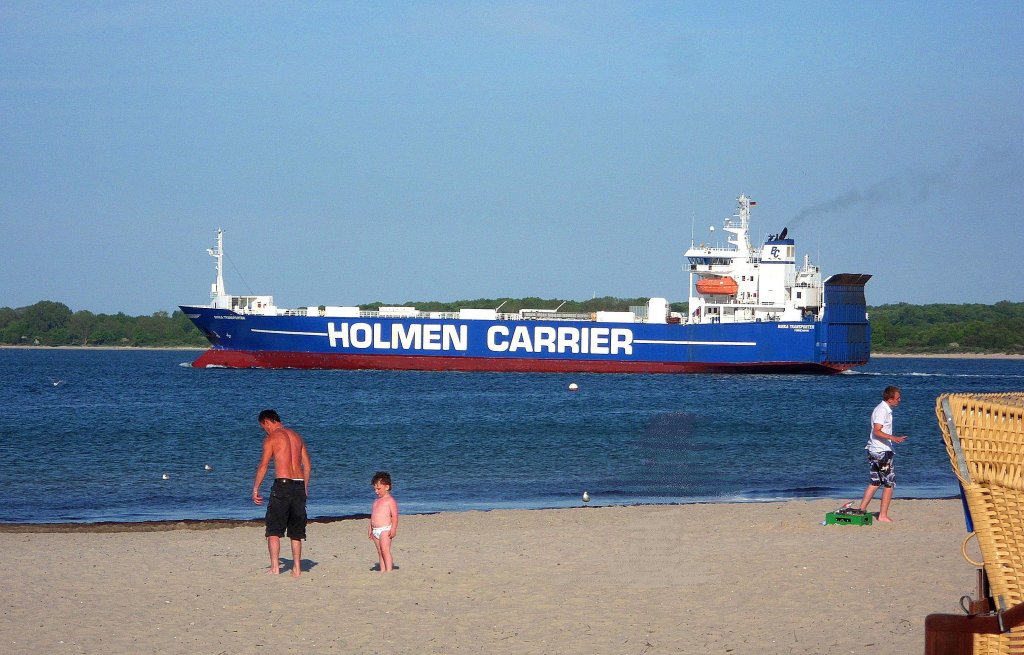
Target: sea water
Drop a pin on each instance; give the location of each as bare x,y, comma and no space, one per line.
91,435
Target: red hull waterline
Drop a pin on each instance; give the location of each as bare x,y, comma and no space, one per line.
268,359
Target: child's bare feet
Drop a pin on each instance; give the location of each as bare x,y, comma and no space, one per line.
885,519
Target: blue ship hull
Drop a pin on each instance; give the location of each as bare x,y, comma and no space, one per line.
837,342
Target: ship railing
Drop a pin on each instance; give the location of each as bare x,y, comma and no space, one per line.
719,266
553,316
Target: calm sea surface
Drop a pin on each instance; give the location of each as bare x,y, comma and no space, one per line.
88,435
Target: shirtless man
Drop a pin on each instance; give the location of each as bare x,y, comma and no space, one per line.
287,507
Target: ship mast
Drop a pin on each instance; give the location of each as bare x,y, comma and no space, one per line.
217,292
742,231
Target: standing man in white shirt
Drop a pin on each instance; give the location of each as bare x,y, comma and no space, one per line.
880,453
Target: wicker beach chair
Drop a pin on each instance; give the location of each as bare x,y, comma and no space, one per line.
984,435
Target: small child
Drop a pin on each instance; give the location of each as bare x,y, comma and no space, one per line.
383,519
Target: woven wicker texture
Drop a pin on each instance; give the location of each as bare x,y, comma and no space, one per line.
984,435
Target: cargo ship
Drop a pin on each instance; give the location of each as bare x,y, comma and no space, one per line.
749,311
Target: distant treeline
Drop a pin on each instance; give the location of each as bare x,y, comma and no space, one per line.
901,328
951,329
49,323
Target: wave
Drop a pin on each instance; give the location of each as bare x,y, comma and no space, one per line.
923,374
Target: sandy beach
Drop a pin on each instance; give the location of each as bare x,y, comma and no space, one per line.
741,578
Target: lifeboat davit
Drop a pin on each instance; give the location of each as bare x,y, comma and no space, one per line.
717,286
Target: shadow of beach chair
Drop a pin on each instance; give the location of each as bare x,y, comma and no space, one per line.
984,435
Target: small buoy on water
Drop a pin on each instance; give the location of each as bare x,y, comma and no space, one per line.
586,497
166,477
573,386
207,467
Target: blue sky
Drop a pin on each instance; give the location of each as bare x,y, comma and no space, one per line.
356,152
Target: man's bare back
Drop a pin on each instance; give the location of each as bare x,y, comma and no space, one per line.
288,450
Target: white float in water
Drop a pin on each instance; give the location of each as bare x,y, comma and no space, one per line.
586,497
207,467
573,386
166,477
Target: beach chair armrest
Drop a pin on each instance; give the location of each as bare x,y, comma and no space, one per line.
953,633
962,623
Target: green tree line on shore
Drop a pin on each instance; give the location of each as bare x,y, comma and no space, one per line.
974,328
899,328
49,323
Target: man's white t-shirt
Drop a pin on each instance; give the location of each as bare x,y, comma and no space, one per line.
881,414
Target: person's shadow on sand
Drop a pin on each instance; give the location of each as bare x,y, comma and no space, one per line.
286,565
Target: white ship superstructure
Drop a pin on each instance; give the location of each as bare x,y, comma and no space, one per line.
737,284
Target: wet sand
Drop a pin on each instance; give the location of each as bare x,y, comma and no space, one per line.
738,578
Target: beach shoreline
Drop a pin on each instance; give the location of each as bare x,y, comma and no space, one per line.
167,525
742,578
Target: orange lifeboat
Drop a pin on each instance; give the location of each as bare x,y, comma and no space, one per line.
717,286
